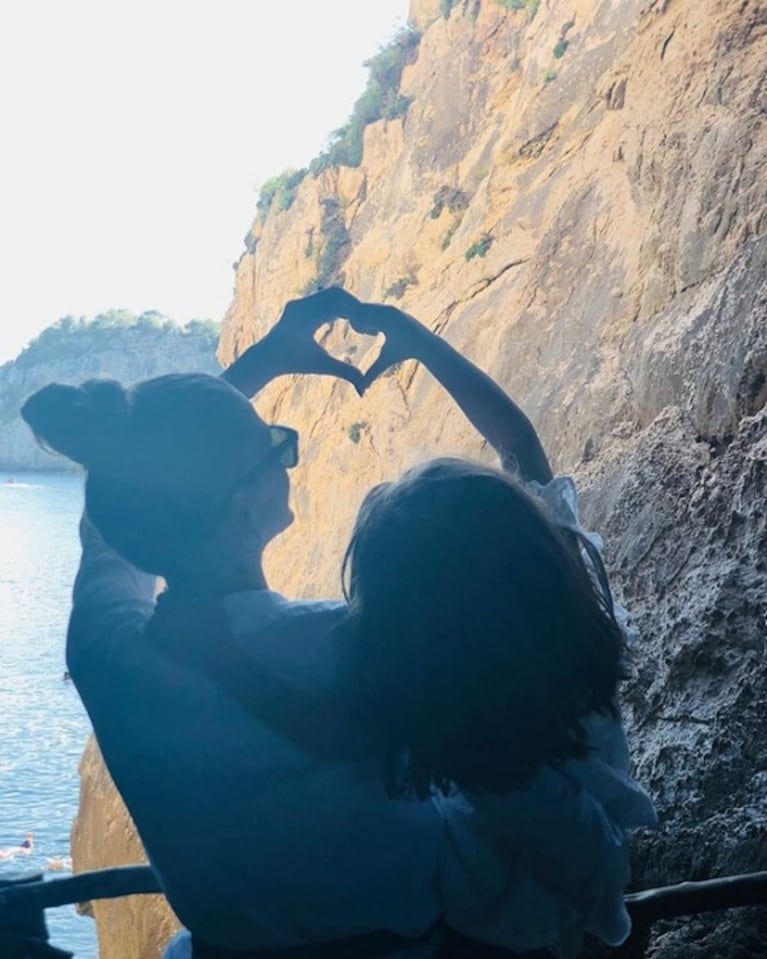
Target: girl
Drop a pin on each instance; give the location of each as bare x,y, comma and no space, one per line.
486,661
218,710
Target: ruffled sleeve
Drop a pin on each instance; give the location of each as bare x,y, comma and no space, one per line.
560,497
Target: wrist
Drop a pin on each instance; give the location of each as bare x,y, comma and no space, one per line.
257,366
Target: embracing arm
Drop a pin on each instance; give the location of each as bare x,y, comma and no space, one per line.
494,414
112,602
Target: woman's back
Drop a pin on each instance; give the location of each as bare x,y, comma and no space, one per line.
255,841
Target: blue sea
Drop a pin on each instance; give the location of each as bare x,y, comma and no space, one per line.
43,726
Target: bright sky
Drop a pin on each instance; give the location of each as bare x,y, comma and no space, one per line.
135,135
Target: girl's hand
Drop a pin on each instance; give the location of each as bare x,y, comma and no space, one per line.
404,335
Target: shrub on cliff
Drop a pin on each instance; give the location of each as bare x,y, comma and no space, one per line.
278,192
334,247
530,5
381,100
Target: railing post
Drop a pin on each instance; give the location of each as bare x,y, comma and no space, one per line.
23,933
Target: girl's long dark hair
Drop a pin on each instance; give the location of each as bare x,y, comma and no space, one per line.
480,639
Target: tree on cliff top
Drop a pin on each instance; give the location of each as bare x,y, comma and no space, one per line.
381,100
73,335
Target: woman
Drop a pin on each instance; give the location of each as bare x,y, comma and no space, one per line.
269,830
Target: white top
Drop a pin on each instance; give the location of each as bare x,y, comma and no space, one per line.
262,846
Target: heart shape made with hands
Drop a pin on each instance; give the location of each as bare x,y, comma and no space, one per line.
343,343
303,336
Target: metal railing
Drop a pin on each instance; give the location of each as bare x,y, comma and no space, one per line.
24,898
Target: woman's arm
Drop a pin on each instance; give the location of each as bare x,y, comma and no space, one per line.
113,601
486,405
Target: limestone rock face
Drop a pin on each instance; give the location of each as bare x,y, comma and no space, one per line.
576,199
103,835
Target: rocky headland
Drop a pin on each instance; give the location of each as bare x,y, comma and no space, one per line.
117,344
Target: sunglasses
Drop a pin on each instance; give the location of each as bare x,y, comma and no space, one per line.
284,449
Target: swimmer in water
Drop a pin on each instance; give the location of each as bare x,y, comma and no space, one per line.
24,848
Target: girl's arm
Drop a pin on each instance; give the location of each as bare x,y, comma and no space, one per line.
486,405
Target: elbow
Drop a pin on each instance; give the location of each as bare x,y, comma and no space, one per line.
528,457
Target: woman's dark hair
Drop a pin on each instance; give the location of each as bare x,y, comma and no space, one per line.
480,640
160,457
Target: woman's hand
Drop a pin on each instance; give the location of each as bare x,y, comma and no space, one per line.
292,337
290,347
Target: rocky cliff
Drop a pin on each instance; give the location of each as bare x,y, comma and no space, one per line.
576,198
117,345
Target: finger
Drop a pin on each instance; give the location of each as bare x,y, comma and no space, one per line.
373,318
362,319
329,366
324,305
380,365
339,302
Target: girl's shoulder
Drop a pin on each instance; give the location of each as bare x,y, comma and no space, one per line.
560,498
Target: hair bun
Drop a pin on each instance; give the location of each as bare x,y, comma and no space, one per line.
86,423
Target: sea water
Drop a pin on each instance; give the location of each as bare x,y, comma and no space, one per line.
43,726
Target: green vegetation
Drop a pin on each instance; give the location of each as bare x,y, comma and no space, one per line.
355,431
381,100
530,5
549,75
278,193
479,247
469,8
398,289
251,242
563,43
447,236
334,247
74,335
456,201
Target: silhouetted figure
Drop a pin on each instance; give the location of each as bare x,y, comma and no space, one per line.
24,848
483,778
